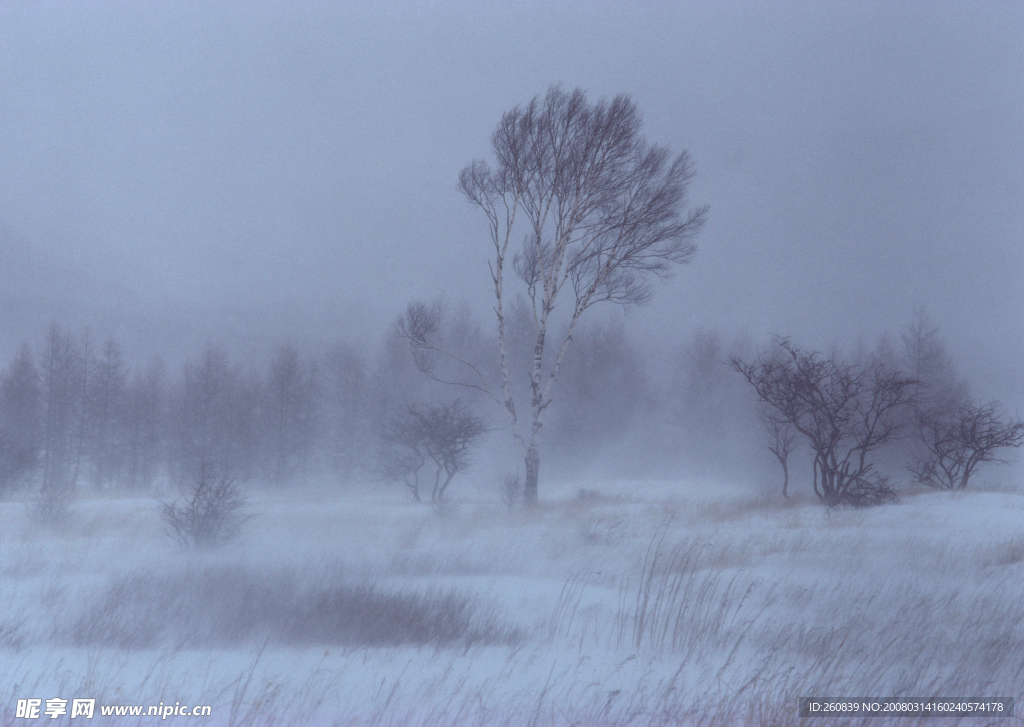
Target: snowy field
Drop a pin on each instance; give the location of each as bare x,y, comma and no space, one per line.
630,603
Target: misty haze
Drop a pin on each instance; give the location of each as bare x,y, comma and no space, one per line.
437,363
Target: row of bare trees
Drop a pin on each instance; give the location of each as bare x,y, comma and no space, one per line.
72,413
859,418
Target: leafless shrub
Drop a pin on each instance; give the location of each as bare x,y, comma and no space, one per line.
396,463
511,490
603,530
843,410
52,504
442,434
957,443
869,491
210,511
442,507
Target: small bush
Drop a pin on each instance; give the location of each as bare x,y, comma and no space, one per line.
956,443
52,504
511,490
443,434
864,492
211,510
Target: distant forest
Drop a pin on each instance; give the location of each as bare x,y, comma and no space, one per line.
75,414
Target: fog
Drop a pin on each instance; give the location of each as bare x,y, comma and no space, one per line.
219,210
256,171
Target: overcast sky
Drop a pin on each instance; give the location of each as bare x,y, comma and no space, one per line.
179,170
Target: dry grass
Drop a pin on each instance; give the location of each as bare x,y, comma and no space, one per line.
853,624
682,605
1008,552
740,508
223,606
653,617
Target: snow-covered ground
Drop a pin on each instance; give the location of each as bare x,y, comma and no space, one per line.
619,603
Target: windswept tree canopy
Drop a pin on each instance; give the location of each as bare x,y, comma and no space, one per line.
442,433
601,208
843,410
957,442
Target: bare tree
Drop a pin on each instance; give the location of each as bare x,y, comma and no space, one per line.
20,421
602,213
399,462
83,381
843,410
105,401
206,415
605,390
58,367
781,440
291,408
511,490
956,444
712,408
144,425
443,434
939,390
248,429
348,409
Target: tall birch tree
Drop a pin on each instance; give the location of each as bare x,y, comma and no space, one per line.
600,213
